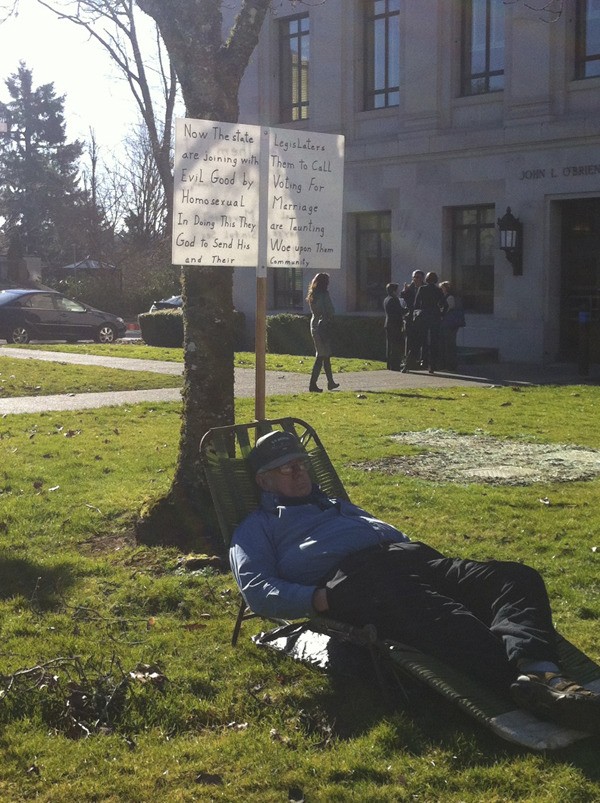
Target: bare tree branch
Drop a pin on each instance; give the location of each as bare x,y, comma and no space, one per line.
244,36
113,25
549,11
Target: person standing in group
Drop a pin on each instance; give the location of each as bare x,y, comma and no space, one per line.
321,324
430,305
451,322
394,318
413,337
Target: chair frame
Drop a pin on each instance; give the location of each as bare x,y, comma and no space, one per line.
234,491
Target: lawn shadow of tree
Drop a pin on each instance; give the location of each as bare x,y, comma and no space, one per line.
42,585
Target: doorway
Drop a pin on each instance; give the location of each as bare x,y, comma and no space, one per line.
580,275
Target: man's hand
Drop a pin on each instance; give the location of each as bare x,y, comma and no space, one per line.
319,600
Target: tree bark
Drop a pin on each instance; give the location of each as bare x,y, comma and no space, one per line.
209,72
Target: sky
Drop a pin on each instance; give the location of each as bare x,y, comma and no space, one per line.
61,53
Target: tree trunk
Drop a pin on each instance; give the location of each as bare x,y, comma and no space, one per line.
209,71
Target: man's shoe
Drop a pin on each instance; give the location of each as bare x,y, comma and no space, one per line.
315,389
552,696
332,385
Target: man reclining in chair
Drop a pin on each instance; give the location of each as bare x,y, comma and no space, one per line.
301,554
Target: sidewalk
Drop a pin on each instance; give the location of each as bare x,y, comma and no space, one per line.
282,383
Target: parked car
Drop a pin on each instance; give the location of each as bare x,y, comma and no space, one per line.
46,315
175,302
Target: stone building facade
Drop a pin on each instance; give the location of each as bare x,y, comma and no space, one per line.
452,111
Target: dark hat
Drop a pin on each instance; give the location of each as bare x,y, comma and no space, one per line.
275,449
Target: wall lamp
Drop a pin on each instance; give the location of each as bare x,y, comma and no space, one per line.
510,240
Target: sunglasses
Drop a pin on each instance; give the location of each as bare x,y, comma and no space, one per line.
294,465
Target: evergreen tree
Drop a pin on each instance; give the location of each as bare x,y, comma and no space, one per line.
41,205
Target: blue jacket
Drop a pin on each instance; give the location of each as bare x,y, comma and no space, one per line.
280,552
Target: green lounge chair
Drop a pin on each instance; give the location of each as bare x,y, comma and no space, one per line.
235,495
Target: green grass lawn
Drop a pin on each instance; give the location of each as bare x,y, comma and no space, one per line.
100,632
40,378
243,359
30,377
133,349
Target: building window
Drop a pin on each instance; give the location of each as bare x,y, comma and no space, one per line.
287,288
482,46
382,53
373,259
587,41
473,246
294,59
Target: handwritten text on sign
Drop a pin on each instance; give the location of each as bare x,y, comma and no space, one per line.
216,208
305,199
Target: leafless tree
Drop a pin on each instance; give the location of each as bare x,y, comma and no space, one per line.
100,227
114,25
146,201
105,183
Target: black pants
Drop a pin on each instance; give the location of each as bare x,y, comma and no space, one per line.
394,343
478,616
449,355
414,344
427,338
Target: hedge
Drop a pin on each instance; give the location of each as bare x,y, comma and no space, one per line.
354,336
164,328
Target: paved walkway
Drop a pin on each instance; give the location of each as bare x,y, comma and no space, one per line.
282,383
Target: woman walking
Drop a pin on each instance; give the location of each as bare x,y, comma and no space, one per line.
320,329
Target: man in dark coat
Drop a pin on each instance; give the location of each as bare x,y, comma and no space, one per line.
430,305
393,325
413,336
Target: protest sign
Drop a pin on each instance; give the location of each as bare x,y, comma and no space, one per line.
217,211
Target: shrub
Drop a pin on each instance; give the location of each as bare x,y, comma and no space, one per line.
289,334
164,328
359,336
353,336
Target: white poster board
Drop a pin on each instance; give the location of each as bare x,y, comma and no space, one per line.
306,178
220,206
216,190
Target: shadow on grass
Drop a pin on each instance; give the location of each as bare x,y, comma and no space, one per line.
404,394
43,586
356,700
356,703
